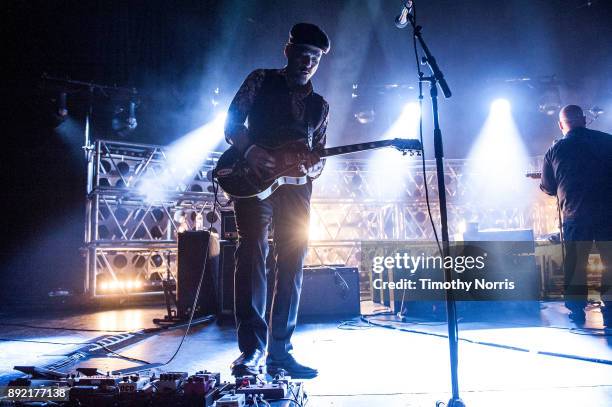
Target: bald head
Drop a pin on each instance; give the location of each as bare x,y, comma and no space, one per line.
571,117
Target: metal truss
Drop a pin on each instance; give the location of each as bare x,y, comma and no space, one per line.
137,203
130,218
128,229
119,166
119,269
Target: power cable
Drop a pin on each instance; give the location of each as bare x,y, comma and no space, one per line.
493,344
197,294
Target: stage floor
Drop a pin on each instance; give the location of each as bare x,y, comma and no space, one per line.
361,365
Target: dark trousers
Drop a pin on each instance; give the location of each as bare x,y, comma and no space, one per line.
288,211
579,237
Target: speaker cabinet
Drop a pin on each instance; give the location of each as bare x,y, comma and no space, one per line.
198,251
326,291
330,292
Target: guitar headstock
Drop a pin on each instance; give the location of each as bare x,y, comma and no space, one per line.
407,145
534,174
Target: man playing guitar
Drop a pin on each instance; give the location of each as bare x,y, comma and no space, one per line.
280,106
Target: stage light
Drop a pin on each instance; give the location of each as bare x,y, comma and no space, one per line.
596,111
366,116
104,286
132,122
215,99
56,111
500,106
124,120
62,109
550,98
549,109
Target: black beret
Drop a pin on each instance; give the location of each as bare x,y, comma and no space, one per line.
309,34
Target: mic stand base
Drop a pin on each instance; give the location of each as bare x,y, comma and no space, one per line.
455,403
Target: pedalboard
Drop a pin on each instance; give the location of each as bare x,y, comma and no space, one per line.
88,387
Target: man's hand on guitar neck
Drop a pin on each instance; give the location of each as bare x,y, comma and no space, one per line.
259,160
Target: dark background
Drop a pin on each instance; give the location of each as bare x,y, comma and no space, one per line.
176,53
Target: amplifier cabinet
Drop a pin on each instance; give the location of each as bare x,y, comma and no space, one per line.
326,291
197,250
330,292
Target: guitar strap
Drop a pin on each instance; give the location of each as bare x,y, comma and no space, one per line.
310,134
313,116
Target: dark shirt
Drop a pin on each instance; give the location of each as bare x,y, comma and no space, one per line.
276,112
578,169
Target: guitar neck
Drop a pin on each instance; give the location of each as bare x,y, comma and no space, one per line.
354,148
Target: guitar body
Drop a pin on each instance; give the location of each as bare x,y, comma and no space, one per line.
238,180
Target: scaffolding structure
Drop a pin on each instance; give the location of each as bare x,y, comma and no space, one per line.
131,233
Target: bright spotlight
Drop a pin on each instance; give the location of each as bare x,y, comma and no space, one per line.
62,109
500,106
124,119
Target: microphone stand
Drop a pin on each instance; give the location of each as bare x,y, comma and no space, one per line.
437,78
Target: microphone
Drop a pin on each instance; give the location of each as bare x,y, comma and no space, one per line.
401,21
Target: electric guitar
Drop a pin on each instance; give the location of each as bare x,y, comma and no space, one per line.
238,180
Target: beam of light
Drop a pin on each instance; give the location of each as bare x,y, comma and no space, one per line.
495,176
407,125
70,132
183,159
390,166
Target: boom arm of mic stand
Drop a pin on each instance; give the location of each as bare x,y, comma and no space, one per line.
429,58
